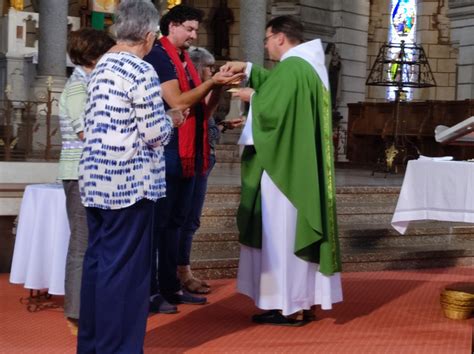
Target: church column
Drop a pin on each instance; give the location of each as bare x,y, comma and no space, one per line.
253,17
52,43
461,14
50,71
351,22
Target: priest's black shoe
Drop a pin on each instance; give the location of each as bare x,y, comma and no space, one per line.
275,318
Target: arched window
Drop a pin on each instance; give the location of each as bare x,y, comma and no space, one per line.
402,28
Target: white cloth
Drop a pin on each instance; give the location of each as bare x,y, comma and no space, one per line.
273,276
440,158
42,239
246,137
433,190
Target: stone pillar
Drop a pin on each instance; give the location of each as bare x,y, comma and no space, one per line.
461,14
52,43
253,17
352,24
51,71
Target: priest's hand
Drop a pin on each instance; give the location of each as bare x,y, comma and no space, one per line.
227,78
245,94
234,67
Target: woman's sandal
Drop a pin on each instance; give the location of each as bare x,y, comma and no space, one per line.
204,283
73,325
195,286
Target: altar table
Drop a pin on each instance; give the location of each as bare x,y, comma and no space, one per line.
42,239
435,190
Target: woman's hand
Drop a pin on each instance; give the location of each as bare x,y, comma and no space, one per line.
245,94
235,122
177,116
230,124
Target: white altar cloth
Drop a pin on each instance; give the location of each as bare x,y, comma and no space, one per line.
42,239
435,190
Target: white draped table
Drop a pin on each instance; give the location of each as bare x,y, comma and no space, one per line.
435,190
42,239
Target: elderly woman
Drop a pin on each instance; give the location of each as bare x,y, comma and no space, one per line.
121,175
204,62
85,47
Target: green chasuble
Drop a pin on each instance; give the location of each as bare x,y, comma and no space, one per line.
292,135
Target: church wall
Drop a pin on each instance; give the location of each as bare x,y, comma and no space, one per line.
433,35
377,35
461,15
351,21
206,35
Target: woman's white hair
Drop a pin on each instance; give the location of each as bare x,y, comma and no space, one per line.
134,19
201,58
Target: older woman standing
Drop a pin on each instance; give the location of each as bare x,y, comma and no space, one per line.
85,47
204,62
121,175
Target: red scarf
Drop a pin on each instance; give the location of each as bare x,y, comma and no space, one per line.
187,132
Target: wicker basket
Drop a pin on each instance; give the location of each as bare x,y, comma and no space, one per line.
455,314
457,301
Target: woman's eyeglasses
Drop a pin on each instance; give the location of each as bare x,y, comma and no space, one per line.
211,67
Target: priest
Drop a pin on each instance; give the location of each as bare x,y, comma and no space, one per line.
289,260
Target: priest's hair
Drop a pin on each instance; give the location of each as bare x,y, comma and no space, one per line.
289,26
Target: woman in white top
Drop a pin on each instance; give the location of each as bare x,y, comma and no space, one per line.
85,47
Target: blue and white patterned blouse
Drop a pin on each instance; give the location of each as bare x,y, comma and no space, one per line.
125,130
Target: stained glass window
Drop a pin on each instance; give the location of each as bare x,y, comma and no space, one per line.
403,28
403,18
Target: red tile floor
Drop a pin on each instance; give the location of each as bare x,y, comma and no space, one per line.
383,312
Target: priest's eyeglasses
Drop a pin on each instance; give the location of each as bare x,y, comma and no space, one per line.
265,40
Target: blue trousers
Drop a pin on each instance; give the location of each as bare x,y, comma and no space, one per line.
193,220
170,214
116,280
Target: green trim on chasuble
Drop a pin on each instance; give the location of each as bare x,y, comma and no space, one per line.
293,144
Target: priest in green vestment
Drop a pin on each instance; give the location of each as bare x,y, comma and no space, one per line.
289,258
